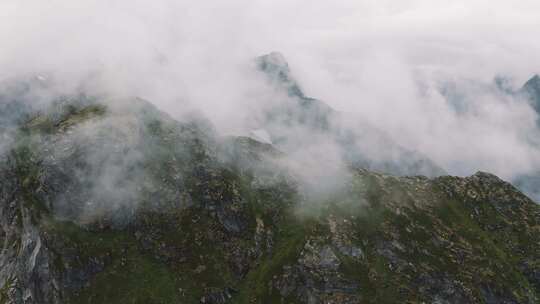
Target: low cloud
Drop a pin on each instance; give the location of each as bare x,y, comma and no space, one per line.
421,72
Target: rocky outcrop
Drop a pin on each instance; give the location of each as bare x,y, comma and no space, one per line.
25,259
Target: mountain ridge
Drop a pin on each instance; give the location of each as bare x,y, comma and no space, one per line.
380,239
104,202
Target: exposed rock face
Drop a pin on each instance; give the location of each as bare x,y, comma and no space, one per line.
206,220
532,91
25,273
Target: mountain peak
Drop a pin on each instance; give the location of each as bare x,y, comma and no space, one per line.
275,66
534,82
531,89
273,60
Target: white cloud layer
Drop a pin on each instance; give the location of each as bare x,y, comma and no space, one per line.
382,61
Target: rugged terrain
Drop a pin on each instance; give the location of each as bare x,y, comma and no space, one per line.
171,213
116,202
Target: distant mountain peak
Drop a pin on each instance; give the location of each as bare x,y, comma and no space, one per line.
534,82
275,66
532,90
273,60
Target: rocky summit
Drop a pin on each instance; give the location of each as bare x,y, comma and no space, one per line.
104,204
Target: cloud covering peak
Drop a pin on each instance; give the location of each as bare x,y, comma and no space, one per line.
421,71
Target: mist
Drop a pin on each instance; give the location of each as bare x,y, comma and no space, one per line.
422,72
